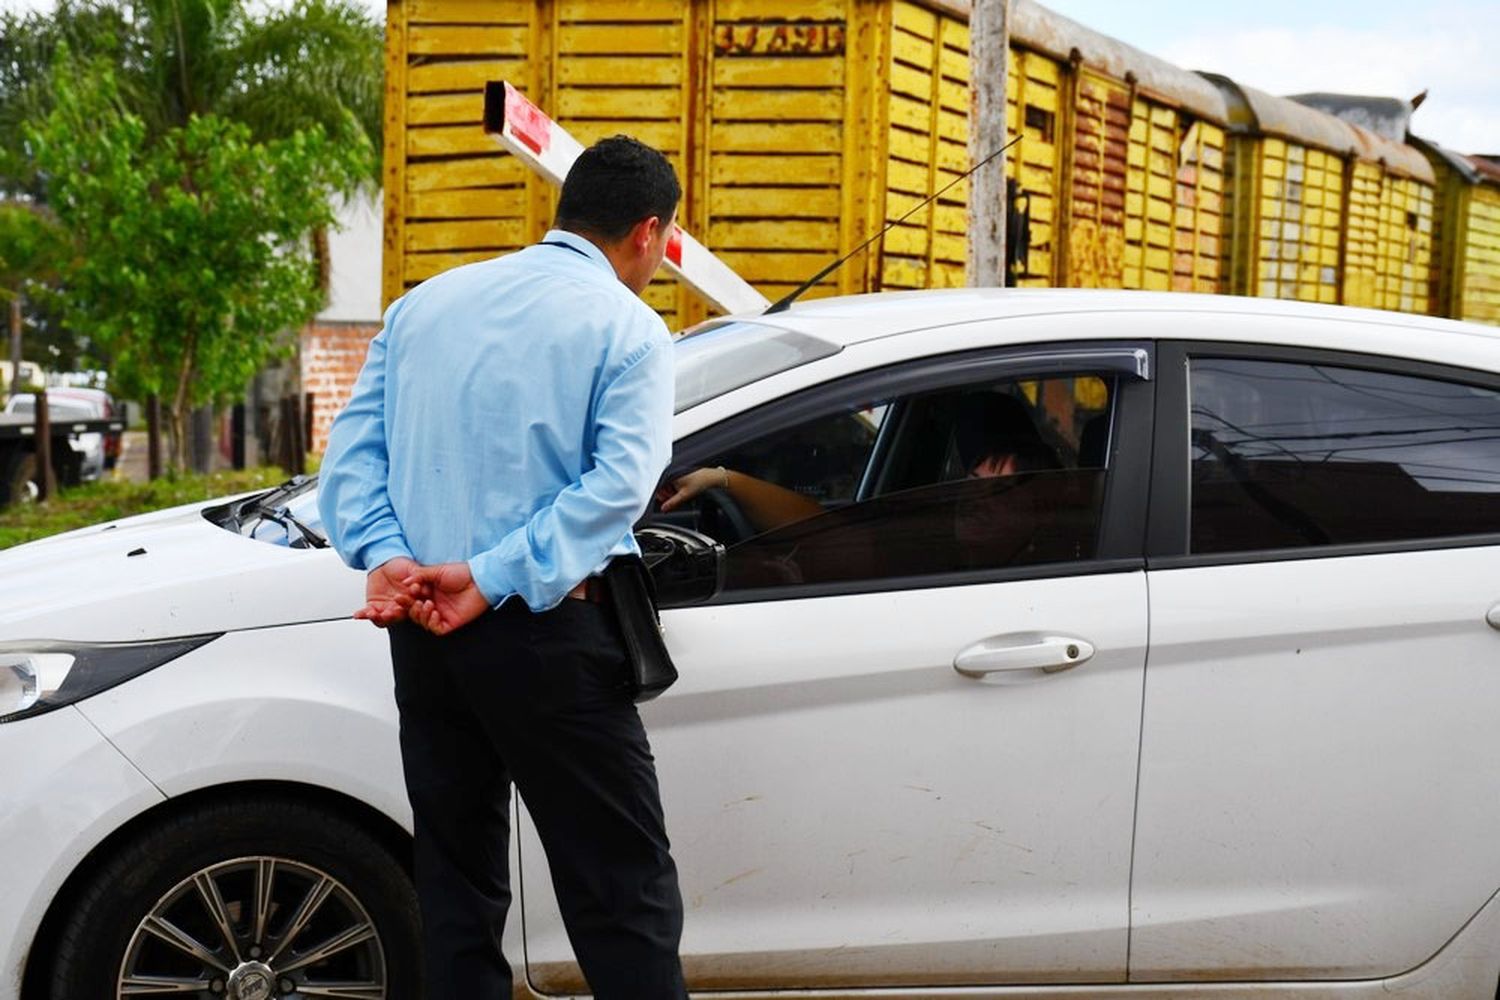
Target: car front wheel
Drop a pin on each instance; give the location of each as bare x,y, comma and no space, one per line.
255,899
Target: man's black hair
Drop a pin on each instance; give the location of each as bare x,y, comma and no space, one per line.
613,185
994,425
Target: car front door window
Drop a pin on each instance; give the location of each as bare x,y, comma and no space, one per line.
987,475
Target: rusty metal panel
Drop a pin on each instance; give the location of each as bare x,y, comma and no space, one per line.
1480,256
1101,140
1404,254
1036,109
452,197
780,79
621,68
1466,236
1300,216
906,253
1362,236
1197,260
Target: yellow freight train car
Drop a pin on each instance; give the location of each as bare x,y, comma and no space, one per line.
774,112
1323,210
1466,264
800,127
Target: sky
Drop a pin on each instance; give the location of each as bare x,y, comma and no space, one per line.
1390,48
1379,47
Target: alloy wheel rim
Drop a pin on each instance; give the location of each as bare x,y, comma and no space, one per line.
255,928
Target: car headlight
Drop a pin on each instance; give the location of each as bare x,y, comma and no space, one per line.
36,677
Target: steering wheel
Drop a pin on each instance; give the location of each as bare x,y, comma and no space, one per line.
725,504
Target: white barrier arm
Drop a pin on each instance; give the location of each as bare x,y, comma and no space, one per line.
546,147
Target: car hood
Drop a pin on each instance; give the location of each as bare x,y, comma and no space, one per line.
163,574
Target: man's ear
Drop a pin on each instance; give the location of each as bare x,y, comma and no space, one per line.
644,232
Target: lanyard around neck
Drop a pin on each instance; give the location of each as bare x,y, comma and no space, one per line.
565,246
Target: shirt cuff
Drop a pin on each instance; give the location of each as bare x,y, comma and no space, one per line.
380,553
494,589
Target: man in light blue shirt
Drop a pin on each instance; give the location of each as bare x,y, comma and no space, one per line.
509,426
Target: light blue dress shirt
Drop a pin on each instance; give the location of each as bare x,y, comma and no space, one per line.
514,413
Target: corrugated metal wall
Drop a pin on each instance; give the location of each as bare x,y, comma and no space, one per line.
1480,295
801,126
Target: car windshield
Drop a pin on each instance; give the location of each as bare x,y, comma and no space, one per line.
287,515
722,355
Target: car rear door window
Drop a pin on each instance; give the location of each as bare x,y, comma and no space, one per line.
1290,455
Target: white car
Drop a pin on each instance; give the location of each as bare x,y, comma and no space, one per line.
1200,702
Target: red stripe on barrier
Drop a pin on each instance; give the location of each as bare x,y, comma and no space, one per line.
674,245
527,121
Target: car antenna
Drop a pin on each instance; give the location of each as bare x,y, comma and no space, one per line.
785,302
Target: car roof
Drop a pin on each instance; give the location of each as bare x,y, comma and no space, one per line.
854,319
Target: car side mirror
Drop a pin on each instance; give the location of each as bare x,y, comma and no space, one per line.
686,566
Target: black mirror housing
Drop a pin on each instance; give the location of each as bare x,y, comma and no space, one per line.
686,566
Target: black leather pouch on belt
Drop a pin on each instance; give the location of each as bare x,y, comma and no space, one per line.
633,597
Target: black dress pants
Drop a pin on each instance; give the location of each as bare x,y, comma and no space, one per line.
538,700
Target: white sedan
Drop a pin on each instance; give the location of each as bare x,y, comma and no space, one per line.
1183,683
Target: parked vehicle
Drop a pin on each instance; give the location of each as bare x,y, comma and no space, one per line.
1200,702
103,406
89,446
86,433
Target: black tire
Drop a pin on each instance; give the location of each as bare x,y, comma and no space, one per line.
20,479
230,844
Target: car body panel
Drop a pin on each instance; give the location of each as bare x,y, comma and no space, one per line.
169,574
312,704
65,790
855,812
1358,836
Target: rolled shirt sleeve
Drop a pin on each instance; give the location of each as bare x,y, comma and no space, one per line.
566,540
353,493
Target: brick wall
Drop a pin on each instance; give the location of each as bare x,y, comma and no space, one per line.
332,354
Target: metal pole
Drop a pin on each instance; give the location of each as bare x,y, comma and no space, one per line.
237,435
989,52
153,436
15,344
46,480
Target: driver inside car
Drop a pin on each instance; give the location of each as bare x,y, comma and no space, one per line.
993,435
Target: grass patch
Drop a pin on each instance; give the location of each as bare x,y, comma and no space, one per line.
94,503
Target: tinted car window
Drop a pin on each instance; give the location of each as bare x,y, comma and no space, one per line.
976,477
1292,455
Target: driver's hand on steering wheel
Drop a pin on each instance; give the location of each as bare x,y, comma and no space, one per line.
687,486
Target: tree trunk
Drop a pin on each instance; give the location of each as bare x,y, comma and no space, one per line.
153,436
15,343
178,410
989,50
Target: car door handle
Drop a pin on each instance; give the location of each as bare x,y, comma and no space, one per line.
1027,651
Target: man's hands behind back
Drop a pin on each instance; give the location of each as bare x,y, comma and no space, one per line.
439,598
387,598
444,597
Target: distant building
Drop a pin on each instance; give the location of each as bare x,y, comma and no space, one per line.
332,347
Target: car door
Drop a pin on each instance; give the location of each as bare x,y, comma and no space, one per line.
903,748
1318,797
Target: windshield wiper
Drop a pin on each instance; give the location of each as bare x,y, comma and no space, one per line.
283,517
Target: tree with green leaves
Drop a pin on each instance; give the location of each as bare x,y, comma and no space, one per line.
32,249
313,63
315,66
192,242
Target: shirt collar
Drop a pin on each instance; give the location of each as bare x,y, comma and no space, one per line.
586,247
